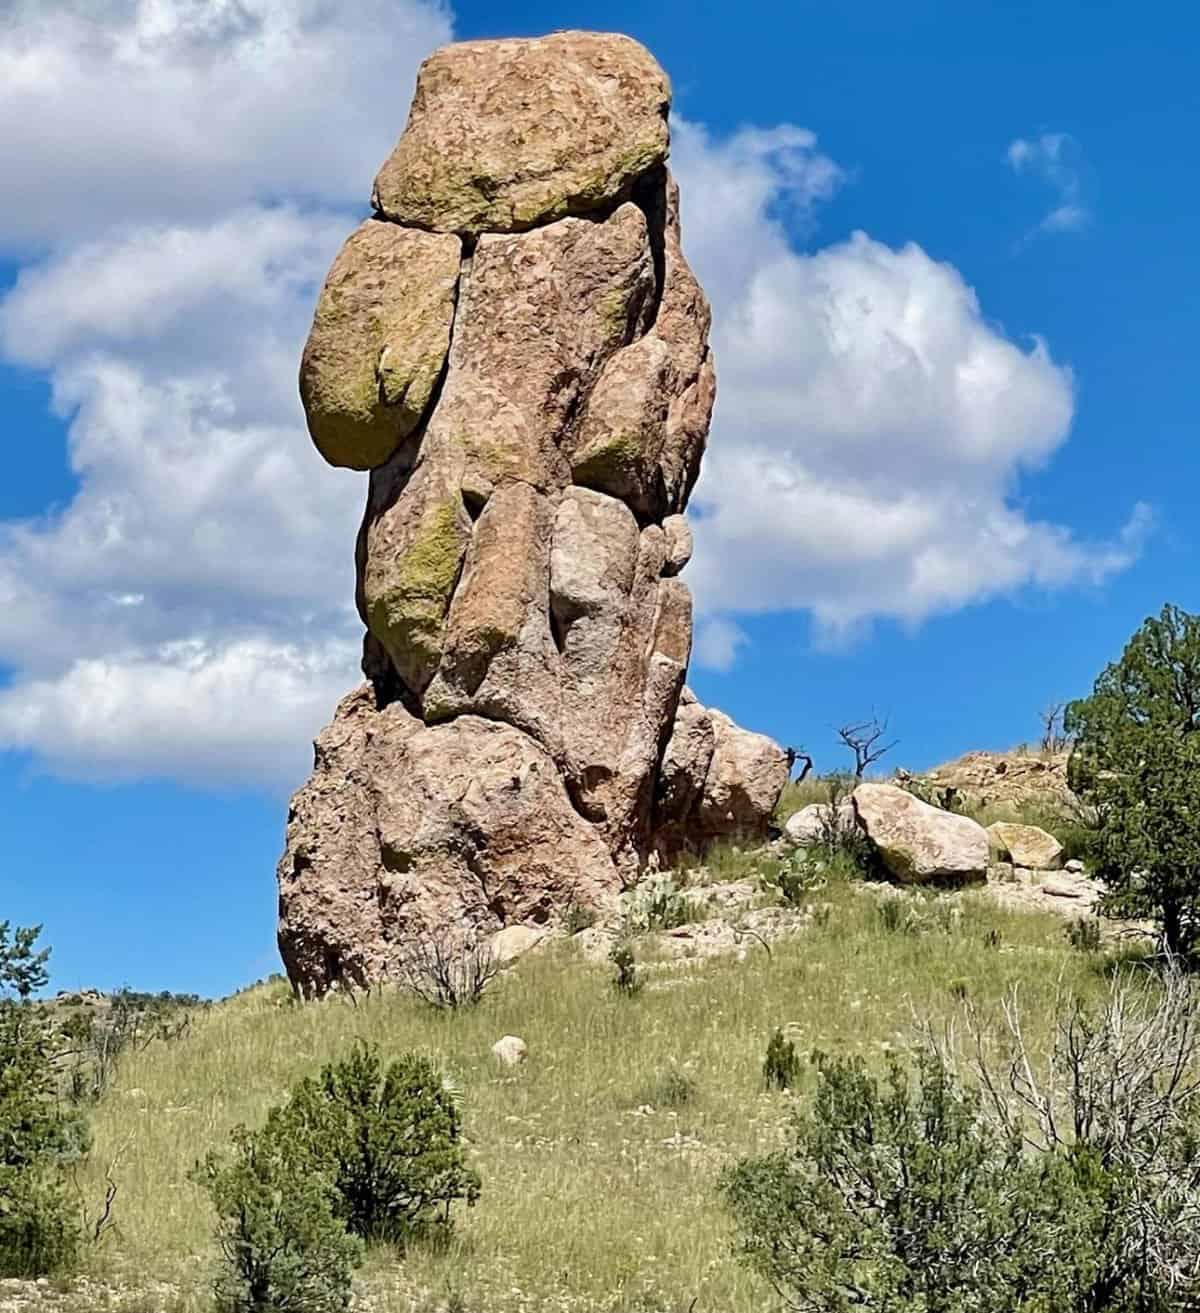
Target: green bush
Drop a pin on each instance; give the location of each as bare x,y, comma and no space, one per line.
357,1154
657,903
1063,1180
781,1066
896,1196
283,1247
389,1140
39,1230
672,1089
626,978
1084,934
795,881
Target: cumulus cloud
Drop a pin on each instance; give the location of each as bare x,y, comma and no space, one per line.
206,535
872,423
183,109
180,174
225,714
1054,158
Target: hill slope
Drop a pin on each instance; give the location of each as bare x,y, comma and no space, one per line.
597,1195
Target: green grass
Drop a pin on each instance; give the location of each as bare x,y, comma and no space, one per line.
589,1201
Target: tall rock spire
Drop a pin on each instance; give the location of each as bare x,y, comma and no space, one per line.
517,351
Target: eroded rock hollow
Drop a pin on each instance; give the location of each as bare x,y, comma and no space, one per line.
517,351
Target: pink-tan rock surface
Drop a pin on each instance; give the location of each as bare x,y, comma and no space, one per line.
917,843
515,348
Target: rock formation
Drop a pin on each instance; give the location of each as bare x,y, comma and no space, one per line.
517,351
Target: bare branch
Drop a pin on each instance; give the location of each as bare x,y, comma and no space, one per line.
863,739
445,970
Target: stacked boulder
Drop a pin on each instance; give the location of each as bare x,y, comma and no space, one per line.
516,350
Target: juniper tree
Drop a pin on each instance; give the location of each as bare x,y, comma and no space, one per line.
1136,760
38,1232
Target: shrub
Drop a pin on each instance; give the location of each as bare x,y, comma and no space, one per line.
39,1230
891,1196
1117,1100
390,1141
130,1023
794,882
781,1066
895,916
577,918
1084,934
672,1089
446,971
283,1248
627,981
1135,760
656,903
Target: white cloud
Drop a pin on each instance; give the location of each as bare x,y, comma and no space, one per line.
1053,157
871,424
187,169
199,494
183,109
717,642
222,714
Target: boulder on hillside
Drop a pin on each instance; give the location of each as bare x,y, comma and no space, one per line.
917,843
811,825
987,779
1026,845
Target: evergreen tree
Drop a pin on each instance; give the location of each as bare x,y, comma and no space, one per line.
1136,760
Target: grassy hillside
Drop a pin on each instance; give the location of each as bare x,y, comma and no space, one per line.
596,1194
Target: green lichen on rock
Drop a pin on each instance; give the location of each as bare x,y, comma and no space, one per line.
408,614
611,466
379,339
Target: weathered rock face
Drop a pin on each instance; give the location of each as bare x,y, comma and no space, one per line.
917,843
716,779
518,352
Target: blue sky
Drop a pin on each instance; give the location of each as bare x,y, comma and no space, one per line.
952,466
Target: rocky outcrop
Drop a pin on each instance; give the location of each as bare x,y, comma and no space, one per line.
998,779
917,843
515,348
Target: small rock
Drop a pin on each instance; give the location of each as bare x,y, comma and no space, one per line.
510,1051
811,824
1074,866
1001,873
594,944
1056,886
